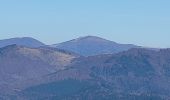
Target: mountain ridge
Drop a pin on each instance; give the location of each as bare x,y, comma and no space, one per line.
138,72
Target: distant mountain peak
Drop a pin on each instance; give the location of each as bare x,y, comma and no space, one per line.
93,45
20,38
23,41
91,38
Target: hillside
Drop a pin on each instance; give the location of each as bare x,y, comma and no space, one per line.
138,74
19,64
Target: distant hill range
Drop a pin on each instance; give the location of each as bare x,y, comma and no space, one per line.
52,73
40,73
85,46
92,45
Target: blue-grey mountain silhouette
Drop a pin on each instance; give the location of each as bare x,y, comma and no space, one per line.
24,41
92,45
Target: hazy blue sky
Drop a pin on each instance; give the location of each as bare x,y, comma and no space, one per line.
141,22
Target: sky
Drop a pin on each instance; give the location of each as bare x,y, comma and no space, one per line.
140,22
